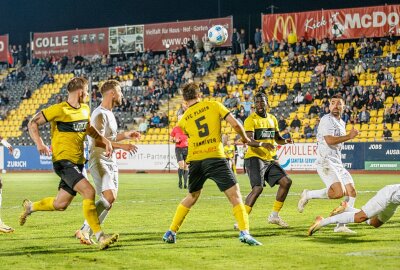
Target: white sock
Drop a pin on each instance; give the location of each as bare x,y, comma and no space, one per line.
317,194
351,201
103,216
343,218
99,234
352,209
274,214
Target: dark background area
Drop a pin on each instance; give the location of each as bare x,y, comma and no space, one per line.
20,17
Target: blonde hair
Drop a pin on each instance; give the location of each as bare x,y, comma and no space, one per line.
77,83
109,85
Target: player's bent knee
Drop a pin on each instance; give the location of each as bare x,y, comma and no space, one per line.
257,190
61,206
285,182
375,222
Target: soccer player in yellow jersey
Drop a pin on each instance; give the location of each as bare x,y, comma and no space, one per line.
262,128
229,150
70,123
206,158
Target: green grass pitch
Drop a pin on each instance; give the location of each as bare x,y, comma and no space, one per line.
207,240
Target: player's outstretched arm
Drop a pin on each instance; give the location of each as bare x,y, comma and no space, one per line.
131,148
95,134
332,140
280,140
33,128
132,134
237,127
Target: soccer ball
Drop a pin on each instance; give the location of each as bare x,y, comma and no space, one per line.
337,29
217,34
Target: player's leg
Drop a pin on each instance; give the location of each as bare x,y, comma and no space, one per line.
219,171
276,175
179,158
196,182
3,227
255,171
185,167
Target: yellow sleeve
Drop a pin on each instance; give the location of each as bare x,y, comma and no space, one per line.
223,111
276,124
249,125
182,124
52,112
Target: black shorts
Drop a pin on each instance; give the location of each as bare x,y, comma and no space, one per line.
181,153
214,168
70,174
261,171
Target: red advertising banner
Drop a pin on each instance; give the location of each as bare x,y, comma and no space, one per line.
4,48
159,36
335,23
71,43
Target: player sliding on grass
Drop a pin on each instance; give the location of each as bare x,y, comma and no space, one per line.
377,211
202,123
331,136
103,168
70,123
262,128
3,227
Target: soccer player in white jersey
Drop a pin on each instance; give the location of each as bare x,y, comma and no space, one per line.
104,169
3,227
331,136
377,211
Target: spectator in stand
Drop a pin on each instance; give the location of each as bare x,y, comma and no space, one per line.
387,116
233,80
235,41
319,69
357,102
204,89
164,121
242,40
276,61
20,75
27,93
282,123
286,134
378,104
252,83
154,120
231,101
346,115
314,110
324,112
360,67
298,99
364,116
143,126
308,98
297,86
187,76
315,129
24,124
387,134
307,131
292,38
247,105
349,55
295,124
268,72
282,87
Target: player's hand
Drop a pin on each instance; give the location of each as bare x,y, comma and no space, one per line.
268,146
10,149
178,140
245,140
131,148
353,133
132,135
109,148
289,140
43,150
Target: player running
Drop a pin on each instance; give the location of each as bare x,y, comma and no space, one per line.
377,211
206,158
104,169
331,136
70,123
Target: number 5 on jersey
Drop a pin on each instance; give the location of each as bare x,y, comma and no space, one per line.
203,128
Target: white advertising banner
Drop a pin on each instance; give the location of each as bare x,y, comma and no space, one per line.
148,157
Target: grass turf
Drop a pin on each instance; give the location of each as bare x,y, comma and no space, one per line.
207,240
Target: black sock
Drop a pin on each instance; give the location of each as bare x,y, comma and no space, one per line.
180,173
185,177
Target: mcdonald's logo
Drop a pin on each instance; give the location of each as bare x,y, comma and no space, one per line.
281,26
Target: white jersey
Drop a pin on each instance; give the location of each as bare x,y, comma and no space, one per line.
329,125
104,121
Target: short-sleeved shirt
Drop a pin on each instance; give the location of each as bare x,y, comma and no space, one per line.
229,151
178,133
104,121
264,129
329,125
68,131
202,123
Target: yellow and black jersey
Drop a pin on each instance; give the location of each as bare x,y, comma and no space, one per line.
264,129
202,123
229,151
68,130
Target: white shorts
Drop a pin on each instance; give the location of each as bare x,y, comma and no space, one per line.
105,176
380,205
331,172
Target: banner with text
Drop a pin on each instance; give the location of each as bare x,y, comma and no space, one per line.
160,36
71,43
3,48
26,158
348,23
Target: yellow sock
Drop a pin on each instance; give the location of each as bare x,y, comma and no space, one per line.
45,204
248,209
234,168
277,206
180,214
241,216
90,214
